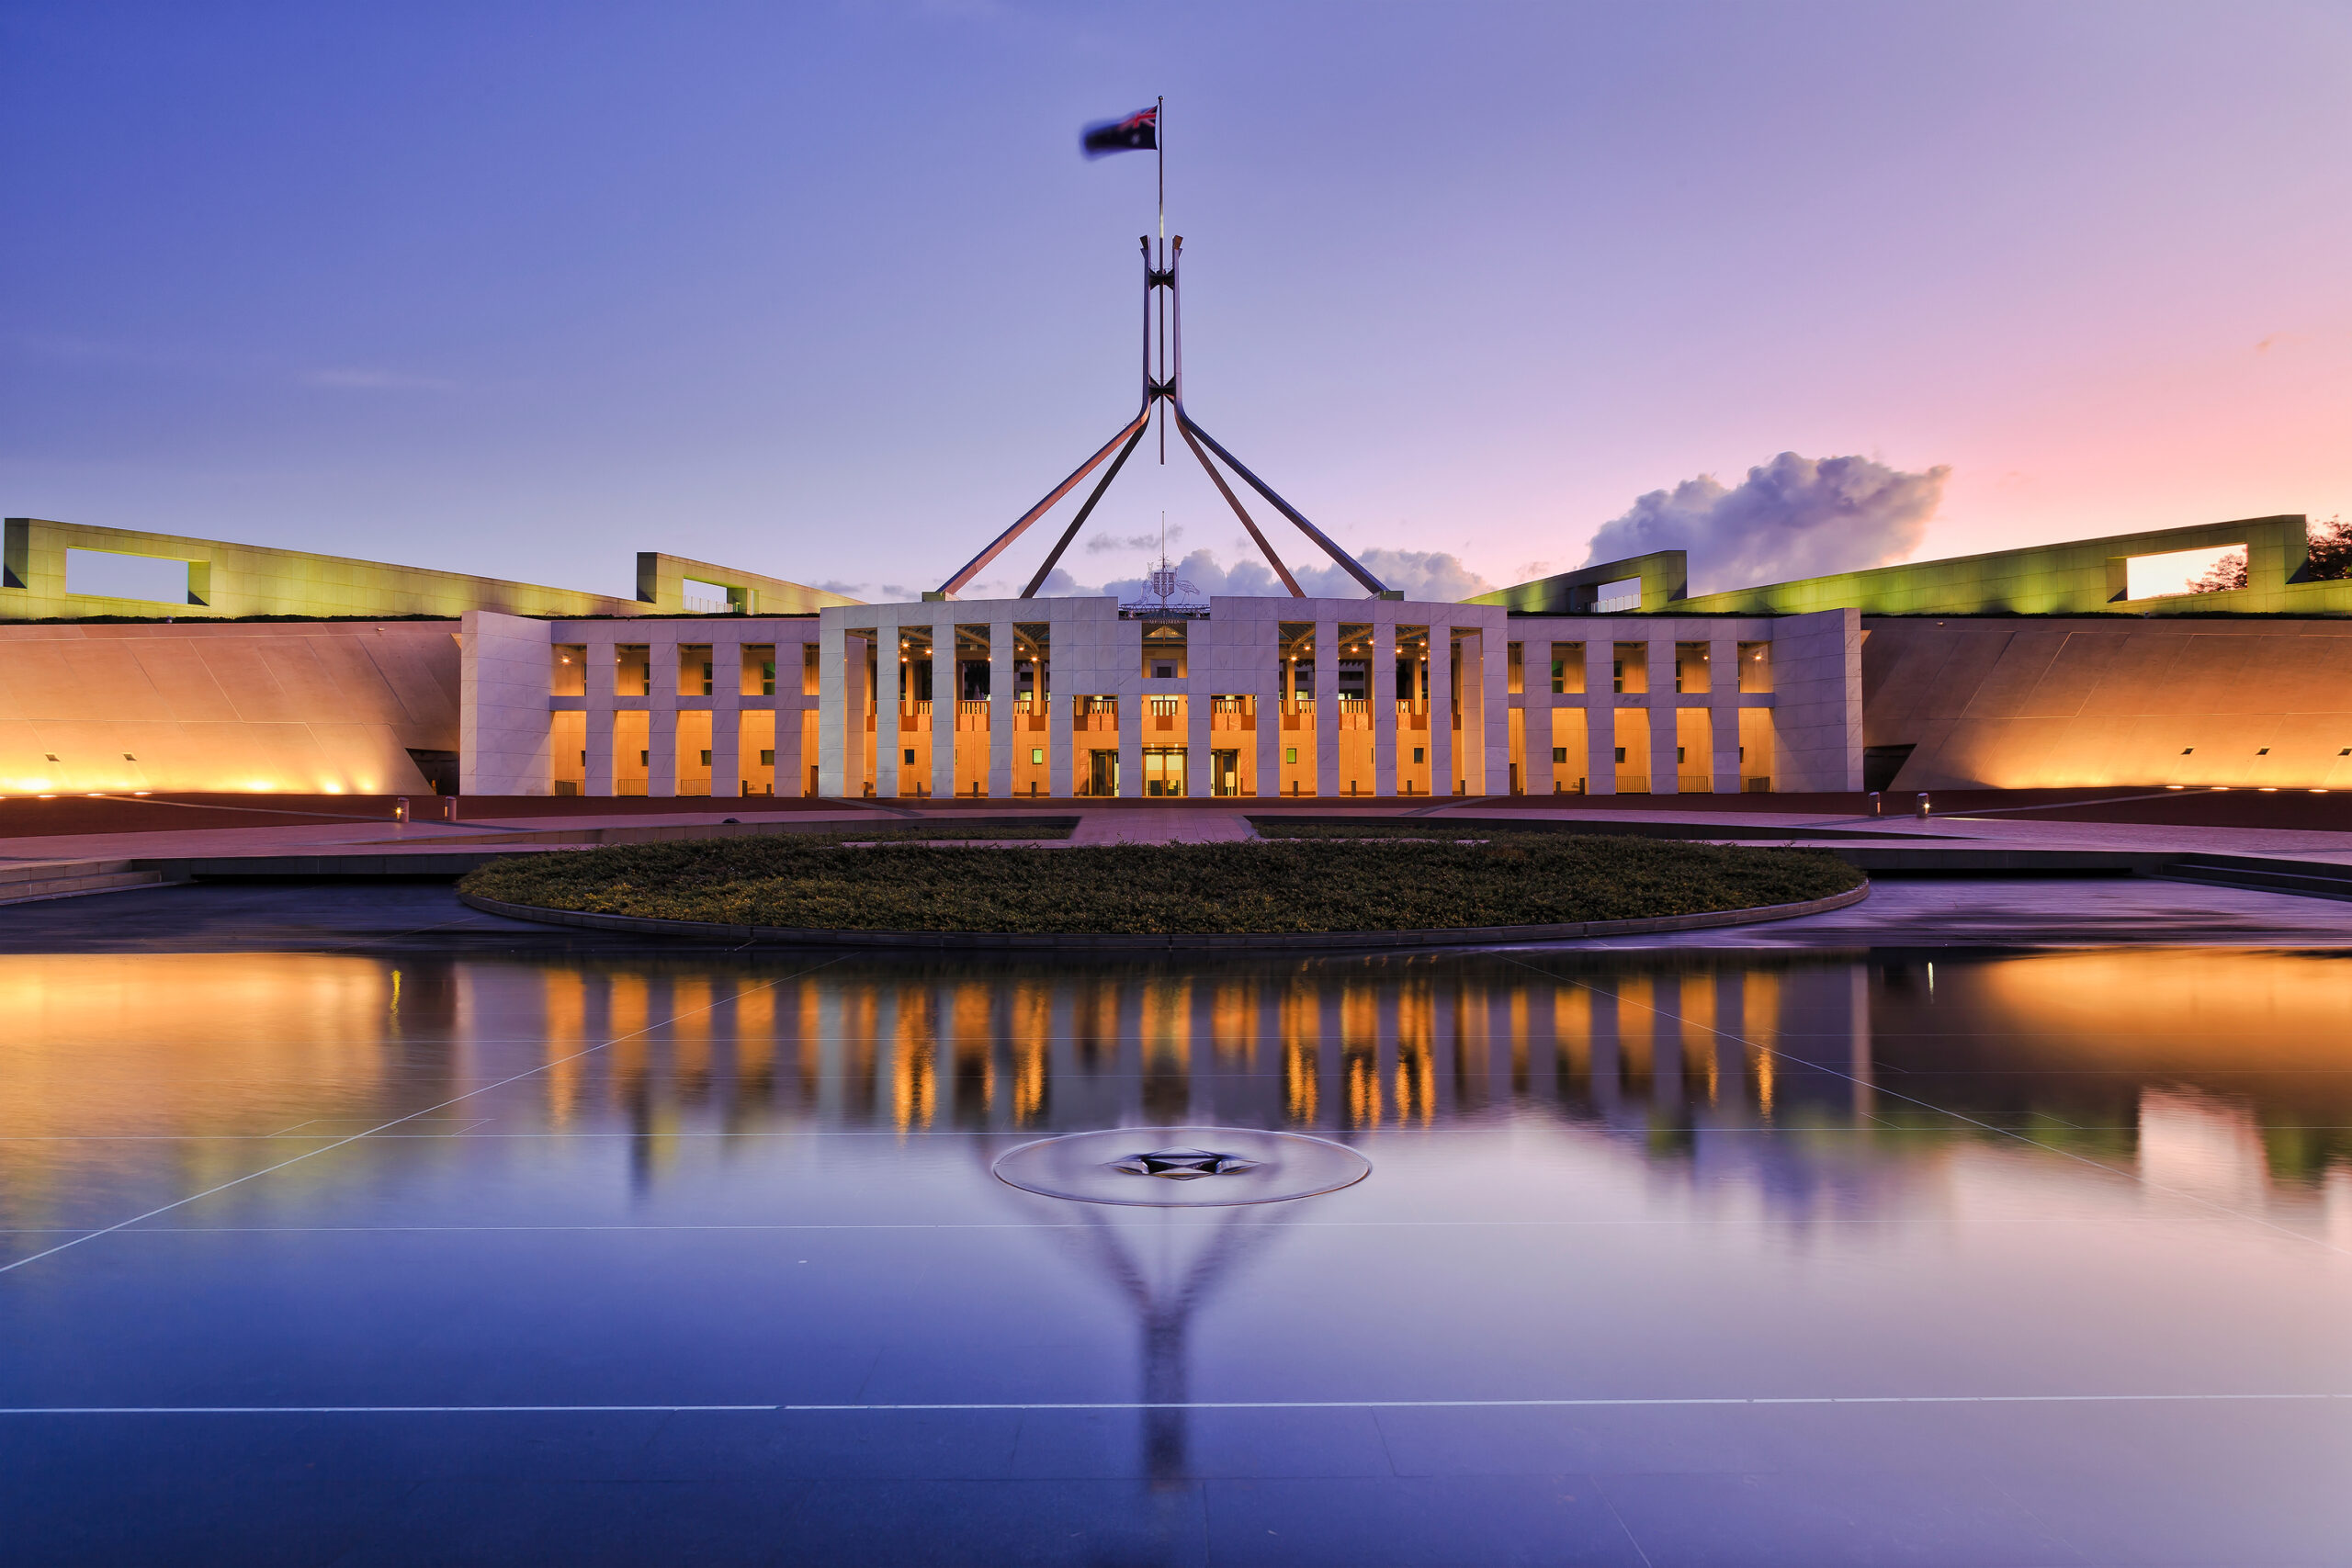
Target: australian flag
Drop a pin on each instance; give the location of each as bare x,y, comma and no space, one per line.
1139,132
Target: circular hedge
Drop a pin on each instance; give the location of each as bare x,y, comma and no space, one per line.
1280,888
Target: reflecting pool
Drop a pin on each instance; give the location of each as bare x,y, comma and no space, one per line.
1689,1257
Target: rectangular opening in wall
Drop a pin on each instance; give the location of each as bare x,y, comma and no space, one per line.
709,598
1755,666
103,574
2176,572
756,671
1630,667
632,668
1567,668
568,675
1609,598
1163,651
1693,671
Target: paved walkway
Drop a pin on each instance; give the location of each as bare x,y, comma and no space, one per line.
1179,826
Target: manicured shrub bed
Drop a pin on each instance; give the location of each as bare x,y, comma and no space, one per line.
1148,889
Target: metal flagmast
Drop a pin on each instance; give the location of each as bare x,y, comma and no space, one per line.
1159,267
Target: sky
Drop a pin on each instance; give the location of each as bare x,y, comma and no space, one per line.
826,291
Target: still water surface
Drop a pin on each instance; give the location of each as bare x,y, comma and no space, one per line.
2073,1224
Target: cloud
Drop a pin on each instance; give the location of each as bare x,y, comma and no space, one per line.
1102,543
1432,576
1794,517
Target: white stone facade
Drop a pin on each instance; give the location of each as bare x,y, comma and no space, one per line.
1257,697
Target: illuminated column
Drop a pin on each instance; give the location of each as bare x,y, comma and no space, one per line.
1723,714
834,719
1663,700
1003,682
946,700
1599,714
726,717
888,739
662,718
1326,708
598,778
1438,678
1199,700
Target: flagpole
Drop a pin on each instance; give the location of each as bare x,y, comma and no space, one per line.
1159,158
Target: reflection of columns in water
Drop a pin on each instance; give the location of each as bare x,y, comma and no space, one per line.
1666,1046
1858,1053
1302,1077
1607,1051
564,1013
1445,1069
1327,1056
1728,1085
1543,1044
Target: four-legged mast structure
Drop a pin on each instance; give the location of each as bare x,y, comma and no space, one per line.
1168,388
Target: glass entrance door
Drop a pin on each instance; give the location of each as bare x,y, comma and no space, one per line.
1163,771
1224,773
1102,775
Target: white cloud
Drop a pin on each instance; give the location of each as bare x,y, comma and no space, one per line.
1793,517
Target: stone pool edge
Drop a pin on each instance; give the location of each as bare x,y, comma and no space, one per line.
1075,941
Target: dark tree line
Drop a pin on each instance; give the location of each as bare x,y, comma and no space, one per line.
2330,557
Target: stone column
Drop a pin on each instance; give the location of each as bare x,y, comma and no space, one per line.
1440,675
1326,708
1599,715
888,743
1723,713
726,716
1494,723
1003,682
598,677
838,725
946,700
661,716
1383,697
1199,694
1663,702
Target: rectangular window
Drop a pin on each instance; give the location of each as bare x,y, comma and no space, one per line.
1620,753
767,758
756,676
1755,666
1567,668
1559,753
632,668
1630,667
1515,667
1289,754
570,671
704,755
1693,671
910,756
694,669
1417,756
1036,756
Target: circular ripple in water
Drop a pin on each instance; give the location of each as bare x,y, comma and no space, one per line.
1182,1167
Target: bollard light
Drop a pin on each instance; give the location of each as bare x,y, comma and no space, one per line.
1921,809
400,810
1878,806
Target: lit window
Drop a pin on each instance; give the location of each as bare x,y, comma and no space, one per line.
1036,756
1290,754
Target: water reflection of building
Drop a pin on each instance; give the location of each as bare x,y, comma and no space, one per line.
1679,1058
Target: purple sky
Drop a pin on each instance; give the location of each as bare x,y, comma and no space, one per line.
827,291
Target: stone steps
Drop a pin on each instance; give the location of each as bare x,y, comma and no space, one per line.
2310,879
29,880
